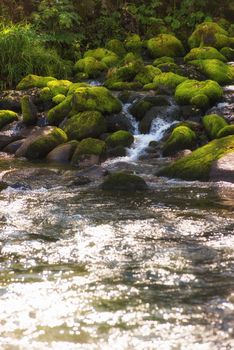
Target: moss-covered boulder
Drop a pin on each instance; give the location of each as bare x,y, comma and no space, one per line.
165,45
106,57
116,46
57,99
181,138
123,181
59,86
45,95
204,53
58,113
63,153
209,34
225,131
147,74
197,165
228,52
213,123
31,81
163,60
120,138
7,117
122,85
84,125
90,66
133,43
168,80
29,110
198,93
141,107
215,70
38,144
89,151
95,98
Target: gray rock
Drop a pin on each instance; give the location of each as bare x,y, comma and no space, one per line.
223,169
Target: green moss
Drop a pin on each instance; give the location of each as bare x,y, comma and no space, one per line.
165,45
57,99
213,123
110,60
7,117
168,80
225,131
131,57
85,124
59,87
31,81
215,70
75,86
139,109
163,60
56,115
228,52
45,94
169,67
197,165
200,101
186,91
29,110
181,138
147,74
88,147
90,66
40,147
98,53
116,46
133,43
122,181
95,98
120,138
203,53
122,85
209,34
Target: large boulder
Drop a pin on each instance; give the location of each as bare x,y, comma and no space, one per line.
197,165
59,86
165,45
40,142
213,124
31,81
7,117
84,125
223,169
181,138
168,80
122,181
63,153
89,151
204,53
90,67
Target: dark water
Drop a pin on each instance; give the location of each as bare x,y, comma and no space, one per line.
83,269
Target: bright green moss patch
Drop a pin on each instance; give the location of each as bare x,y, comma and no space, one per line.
147,74
57,99
31,81
122,85
133,43
189,89
182,137
228,52
29,110
225,131
168,80
90,66
165,45
163,60
122,181
7,117
85,124
40,147
197,165
59,86
216,70
95,98
86,148
204,53
116,46
45,94
120,138
56,115
213,123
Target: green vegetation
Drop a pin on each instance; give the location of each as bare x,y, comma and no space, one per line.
204,53
120,138
29,110
168,80
165,45
7,117
182,137
225,131
88,152
213,124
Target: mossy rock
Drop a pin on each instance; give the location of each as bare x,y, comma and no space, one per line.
63,153
122,181
140,108
204,53
126,72
29,110
168,80
225,131
197,165
120,138
163,60
122,85
193,92
45,95
216,70
98,53
58,113
57,99
110,60
85,124
90,66
181,138
131,57
76,86
133,43
209,34
169,67
213,123
116,46
89,151
165,45
31,81
95,98
59,86
228,52
42,146
7,117
147,74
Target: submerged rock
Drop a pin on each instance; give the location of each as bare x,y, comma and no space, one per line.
123,181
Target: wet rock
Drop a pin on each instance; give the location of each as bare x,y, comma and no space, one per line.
63,153
89,151
117,122
223,169
123,181
13,146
